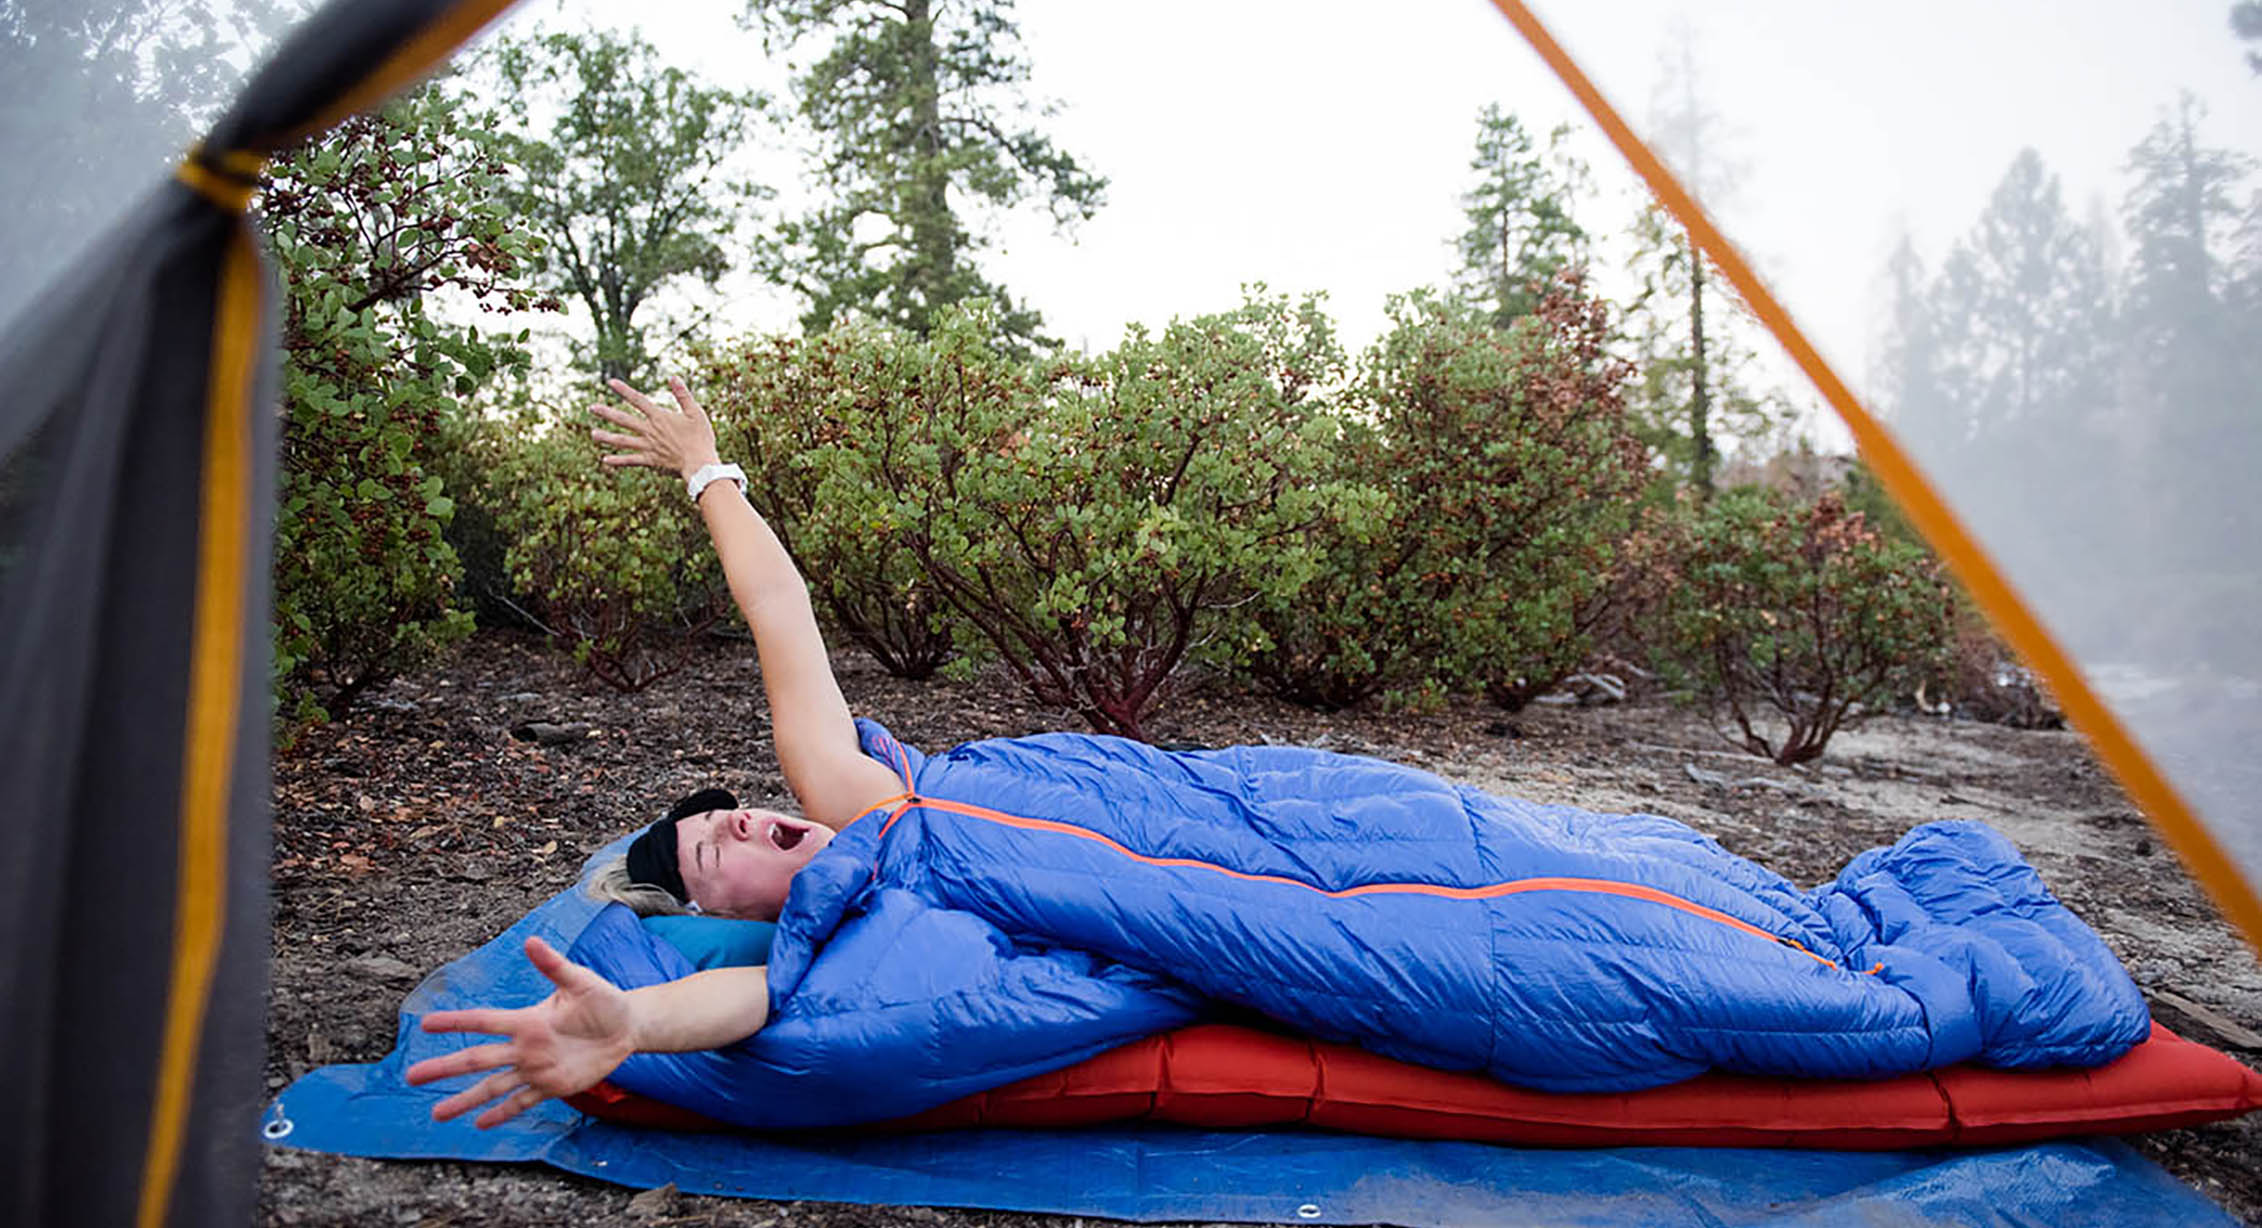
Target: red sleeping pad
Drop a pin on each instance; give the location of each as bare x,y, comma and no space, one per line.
1217,1075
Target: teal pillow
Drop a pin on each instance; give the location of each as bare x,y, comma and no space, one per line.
716,942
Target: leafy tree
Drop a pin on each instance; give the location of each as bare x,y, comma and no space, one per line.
1097,520
98,98
1799,618
804,412
365,224
629,182
1501,470
919,110
1521,232
2246,23
615,567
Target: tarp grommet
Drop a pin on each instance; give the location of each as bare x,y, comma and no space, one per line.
277,1126
1309,1210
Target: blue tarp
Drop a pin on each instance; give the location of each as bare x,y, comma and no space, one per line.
1159,1173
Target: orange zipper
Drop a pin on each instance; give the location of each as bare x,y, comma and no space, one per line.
1596,886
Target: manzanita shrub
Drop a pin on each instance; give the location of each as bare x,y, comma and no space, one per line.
798,414
613,563
364,224
1096,520
1503,469
1798,617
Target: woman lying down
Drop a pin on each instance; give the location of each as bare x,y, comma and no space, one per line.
954,923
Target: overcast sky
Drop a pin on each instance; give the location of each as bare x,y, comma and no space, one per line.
1322,145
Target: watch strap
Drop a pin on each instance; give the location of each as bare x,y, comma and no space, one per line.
707,475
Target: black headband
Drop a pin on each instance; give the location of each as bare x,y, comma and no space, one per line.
651,856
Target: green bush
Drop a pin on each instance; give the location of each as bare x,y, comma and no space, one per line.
613,563
1503,474
798,414
1096,520
1801,609
363,225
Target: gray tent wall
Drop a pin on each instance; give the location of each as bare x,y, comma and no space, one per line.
137,461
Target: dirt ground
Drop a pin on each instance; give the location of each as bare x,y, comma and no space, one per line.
422,827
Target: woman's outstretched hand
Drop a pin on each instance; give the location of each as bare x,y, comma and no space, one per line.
562,1045
680,439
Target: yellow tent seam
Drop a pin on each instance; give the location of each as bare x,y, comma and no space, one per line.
230,194
1932,517
216,668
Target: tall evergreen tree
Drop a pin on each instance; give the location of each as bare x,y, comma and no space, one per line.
1691,360
2024,308
1909,376
2191,363
920,109
629,183
1690,134
2180,211
1521,230
2024,329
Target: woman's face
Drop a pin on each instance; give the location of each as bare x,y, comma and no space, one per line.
739,863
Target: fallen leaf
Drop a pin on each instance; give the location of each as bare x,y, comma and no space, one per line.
547,849
502,820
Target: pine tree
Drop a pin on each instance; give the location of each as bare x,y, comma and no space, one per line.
1689,133
2024,307
1521,230
2191,364
918,107
1909,383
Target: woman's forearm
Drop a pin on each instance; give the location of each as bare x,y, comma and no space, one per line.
705,1010
755,563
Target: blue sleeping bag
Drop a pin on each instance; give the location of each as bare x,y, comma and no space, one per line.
1040,900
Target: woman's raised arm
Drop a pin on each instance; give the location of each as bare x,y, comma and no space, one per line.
816,738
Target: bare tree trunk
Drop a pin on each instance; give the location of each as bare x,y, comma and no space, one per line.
934,241
1700,400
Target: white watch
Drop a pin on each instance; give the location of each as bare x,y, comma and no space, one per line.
707,475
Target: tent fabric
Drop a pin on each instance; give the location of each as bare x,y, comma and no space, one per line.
1226,1076
1147,1171
2128,597
136,498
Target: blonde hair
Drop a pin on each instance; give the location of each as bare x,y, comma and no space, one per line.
612,884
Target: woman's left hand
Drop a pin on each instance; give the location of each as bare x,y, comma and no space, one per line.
679,439
562,1045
